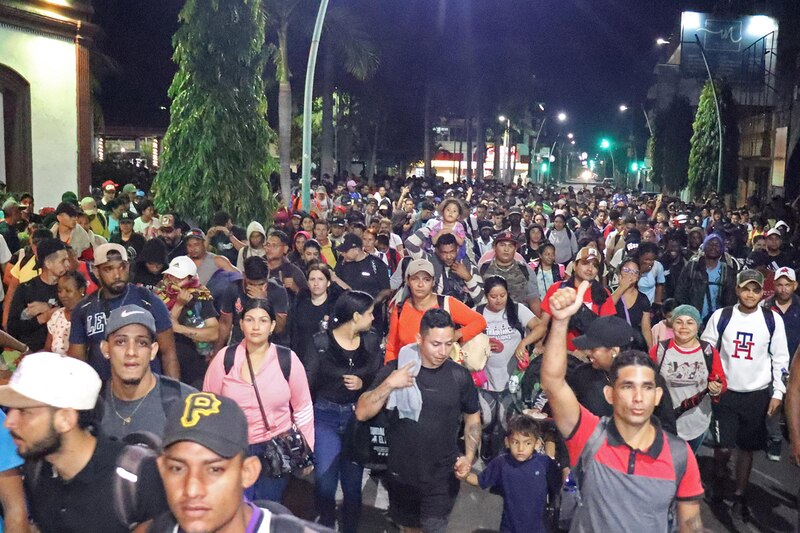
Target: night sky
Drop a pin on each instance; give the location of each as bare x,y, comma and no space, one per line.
588,56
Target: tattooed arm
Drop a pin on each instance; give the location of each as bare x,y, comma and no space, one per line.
370,403
472,441
689,517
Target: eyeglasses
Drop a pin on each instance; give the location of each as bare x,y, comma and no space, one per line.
630,271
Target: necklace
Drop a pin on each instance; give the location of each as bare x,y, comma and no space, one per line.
127,419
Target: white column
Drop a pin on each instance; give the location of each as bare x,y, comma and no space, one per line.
2,143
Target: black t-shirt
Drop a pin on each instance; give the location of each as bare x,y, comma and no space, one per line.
325,370
223,245
305,320
178,250
29,330
289,270
370,275
85,502
762,259
425,451
635,312
233,304
191,355
588,382
133,245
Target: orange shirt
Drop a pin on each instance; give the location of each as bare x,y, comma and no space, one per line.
404,331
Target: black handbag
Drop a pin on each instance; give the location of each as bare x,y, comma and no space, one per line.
284,453
365,443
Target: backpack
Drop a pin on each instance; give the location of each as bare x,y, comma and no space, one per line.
284,359
139,448
677,447
550,230
725,318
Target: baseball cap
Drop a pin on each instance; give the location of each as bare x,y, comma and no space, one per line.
126,218
429,194
69,208
748,275
606,332
46,248
47,378
785,272
167,221
108,185
129,314
351,183
504,236
602,203
337,221
181,267
129,187
419,265
196,233
515,211
681,219
214,422
86,202
108,252
780,224
775,231
351,240
588,254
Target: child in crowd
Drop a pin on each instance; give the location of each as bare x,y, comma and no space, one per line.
525,476
451,211
663,330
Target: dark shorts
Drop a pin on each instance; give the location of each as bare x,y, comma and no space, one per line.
426,507
740,420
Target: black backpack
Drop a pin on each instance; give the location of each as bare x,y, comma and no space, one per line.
725,318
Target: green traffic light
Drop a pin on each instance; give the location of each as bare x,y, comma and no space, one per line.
544,168
634,166
605,144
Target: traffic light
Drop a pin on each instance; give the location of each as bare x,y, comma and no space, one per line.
545,167
634,166
605,144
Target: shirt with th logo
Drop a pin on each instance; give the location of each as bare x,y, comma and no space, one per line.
750,359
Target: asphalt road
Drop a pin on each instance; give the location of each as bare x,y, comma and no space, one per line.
774,486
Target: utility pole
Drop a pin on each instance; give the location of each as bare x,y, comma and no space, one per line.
719,114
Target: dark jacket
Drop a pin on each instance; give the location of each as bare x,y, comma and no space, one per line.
692,286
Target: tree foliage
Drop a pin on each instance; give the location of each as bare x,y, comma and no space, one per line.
704,154
216,150
670,145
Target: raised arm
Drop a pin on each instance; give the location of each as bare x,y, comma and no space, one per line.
566,410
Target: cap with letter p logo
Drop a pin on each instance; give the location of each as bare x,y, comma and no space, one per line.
215,422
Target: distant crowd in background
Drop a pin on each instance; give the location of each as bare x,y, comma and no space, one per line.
571,350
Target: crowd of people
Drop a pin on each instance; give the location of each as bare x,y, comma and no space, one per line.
569,350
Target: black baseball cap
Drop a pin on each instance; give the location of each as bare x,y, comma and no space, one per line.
126,218
606,332
127,315
214,422
351,240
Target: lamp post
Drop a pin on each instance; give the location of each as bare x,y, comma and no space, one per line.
307,103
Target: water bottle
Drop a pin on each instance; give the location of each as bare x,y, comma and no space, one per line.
193,320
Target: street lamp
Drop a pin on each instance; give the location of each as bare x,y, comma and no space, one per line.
661,41
570,136
507,170
623,108
562,117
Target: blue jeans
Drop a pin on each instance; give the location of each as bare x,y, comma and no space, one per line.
331,466
265,487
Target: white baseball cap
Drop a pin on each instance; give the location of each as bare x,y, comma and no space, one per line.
775,231
181,267
785,272
47,378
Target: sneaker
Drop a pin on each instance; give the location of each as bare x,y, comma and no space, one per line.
740,509
774,450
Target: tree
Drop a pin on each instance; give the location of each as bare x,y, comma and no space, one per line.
670,145
216,150
704,154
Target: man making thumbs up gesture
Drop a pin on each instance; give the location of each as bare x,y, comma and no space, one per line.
628,469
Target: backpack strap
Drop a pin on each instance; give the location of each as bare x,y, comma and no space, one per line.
480,309
129,468
596,440
524,268
769,318
660,352
724,320
677,447
284,360
170,391
230,357
443,302
484,267
708,355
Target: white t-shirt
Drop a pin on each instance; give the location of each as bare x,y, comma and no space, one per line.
501,365
686,374
747,363
648,282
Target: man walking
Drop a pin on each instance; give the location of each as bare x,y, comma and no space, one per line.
427,394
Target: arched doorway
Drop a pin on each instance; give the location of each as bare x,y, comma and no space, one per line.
15,130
